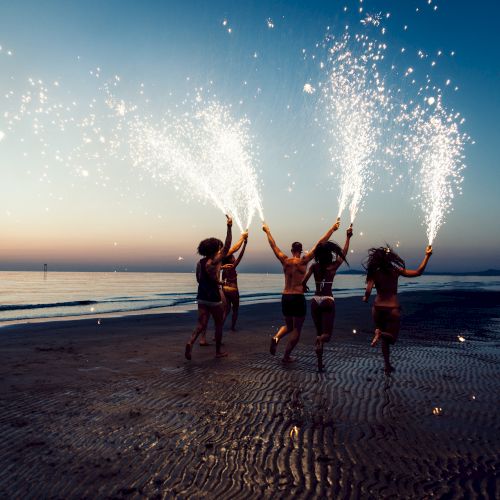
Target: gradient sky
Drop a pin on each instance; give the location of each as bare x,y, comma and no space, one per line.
73,224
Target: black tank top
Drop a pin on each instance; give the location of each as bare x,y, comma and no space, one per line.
208,288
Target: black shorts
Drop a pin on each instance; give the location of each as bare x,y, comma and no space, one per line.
293,305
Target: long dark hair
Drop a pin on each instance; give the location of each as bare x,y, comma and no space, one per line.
382,259
325,252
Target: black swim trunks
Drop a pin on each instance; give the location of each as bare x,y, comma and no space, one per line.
293,305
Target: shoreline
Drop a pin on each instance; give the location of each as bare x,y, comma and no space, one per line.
114,410
189,308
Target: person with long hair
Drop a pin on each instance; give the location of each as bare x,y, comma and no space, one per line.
329,257
383,269
230,285
293,302
209,295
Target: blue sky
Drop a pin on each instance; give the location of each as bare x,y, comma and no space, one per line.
173,47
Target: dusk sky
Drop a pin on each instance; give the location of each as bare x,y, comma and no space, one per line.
114,217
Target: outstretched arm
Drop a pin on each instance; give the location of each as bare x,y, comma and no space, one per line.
240,242
408,273
368,291
223,251
341,259
279,254
309,256
240,256
306,278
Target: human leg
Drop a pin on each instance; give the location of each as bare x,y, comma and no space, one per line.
201,326
293,340
218,313
235,305
283,330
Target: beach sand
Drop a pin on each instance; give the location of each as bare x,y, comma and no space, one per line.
114,410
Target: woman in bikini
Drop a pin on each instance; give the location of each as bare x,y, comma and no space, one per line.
230,285
209,295
329,257
383,269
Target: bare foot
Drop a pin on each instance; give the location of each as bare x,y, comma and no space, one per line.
274,345
376,337
221,354
204,344
288,360
389,369
187,352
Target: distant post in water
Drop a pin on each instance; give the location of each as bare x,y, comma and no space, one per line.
45,270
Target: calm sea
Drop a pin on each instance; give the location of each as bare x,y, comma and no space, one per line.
35,296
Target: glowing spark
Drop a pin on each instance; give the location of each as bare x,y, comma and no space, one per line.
294,432
354,331
270,23
180,258
437,411
431,101
460,338
373,19
309,89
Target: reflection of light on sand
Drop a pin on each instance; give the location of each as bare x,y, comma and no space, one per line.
294,432
437,411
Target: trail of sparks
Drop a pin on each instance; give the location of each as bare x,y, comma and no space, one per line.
434,146
356,105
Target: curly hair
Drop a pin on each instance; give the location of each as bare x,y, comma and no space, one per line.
325,252
209,247
382,259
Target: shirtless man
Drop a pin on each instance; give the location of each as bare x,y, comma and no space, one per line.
293,302
210,299
383,269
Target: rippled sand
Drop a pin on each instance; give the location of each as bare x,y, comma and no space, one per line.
114,410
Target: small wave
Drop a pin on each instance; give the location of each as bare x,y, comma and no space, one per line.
16,307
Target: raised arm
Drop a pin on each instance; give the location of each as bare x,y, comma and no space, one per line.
368,291
341,259
306,278
408,273
240,256
279,254
309,255
240,242
223,251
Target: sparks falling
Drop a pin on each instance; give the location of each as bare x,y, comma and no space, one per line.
434,147
356,106
206,154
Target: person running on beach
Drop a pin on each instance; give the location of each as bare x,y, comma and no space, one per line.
323,303
230,284
383,268
209,295
293,302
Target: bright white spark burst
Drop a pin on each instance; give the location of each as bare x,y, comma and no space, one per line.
208,153
434,147
356,104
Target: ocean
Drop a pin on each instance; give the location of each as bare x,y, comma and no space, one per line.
26,296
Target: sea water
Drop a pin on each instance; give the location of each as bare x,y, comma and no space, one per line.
28,296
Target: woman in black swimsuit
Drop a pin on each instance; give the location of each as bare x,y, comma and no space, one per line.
383,269
209,295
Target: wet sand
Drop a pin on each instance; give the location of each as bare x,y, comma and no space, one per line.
115,411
